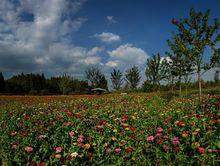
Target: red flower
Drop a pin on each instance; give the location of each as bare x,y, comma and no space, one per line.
133,129
177,149
41,164
159,140
181,123
79,116
24,134
129,150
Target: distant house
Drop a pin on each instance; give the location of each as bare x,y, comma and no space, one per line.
98,90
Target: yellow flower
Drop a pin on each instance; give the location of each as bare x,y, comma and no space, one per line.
115,130
184,135
133,117
197,144
127,128
74,143
177,122
57,156
197,130
114,138
86,146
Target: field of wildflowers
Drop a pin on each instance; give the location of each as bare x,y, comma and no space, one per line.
109,130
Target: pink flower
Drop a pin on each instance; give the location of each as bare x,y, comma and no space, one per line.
123,141
58,149
29,149
14,146
170,128
158,135
117,149
71,133
210,150
150,138
159,130
41,136
68,123
201,150
165,137
175,141
80,140
167,147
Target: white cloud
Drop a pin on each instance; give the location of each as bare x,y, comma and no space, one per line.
108,37
127,55
42,43
111,19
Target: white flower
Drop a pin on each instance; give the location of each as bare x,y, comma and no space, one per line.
74,154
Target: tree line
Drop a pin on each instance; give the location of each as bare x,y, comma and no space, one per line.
174,69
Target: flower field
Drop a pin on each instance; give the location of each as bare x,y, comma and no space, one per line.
109,130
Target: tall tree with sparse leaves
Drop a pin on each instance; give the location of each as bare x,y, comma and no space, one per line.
199,33
116,78
133,77
155,70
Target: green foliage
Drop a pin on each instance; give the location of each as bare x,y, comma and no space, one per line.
116,78
33,92
2,83
148,86
96,78
133,77
156,69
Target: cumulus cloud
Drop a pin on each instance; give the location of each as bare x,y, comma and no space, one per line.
34,36
127,55
108,37
111,19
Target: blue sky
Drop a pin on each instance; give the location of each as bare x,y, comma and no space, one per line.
69,36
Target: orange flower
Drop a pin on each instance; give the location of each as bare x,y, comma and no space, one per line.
86,146
57,156
192,124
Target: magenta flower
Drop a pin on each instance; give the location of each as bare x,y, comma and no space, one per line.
158,135
29,149
159,130
167,147
19,124
150,138
165,137
175,141
58,149
117,149
201,150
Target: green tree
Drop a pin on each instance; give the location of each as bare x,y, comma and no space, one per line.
2,83
199,33
66,84
155,70
133,77
116,78
181,65
96,78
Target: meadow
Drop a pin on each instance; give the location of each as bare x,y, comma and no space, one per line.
113,129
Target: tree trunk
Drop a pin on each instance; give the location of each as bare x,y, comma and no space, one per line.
180,89
200,85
